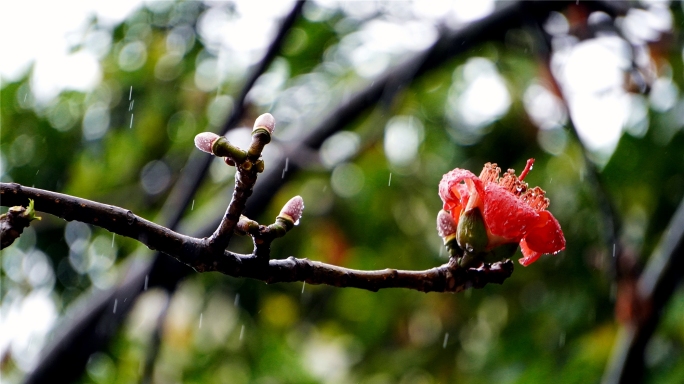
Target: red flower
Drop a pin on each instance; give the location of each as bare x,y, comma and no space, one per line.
512,212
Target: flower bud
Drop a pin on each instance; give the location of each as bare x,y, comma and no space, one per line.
446,226
265,121
471,233
205,140
292,210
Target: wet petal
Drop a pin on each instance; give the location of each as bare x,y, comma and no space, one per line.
506,215
453,193
546,236
530,256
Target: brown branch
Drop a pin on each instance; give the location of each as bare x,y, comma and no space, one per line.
13,222
198,255
245,178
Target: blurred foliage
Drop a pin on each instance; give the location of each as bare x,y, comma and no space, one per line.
126,142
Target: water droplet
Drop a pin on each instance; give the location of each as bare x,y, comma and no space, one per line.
446,339
146,277
200,322
242,332
115,303
237,300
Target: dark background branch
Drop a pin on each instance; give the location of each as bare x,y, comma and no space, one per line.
655,287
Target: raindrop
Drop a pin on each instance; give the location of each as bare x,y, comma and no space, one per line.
37,172
113,234
25,95
131,126
200,322
237,300
193,205
613,250
242,331
130,93
146,278
390,180
115,303
287,163
303,285
446,339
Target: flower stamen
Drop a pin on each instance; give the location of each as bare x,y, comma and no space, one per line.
512,183
490,173
536,199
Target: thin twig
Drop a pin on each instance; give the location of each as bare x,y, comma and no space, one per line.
196,254
196,169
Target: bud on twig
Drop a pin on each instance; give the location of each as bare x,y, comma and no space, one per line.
292,210
446,226
204,141
265,121
261,135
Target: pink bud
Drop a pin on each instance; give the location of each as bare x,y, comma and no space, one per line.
446,226
205,140
293,209
265,121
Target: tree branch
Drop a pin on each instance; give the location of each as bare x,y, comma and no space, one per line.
13,222
198,255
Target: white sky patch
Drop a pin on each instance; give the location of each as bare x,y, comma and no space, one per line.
29,318
45,37
592,78
403,136
480,95
339,147
544,108
467,10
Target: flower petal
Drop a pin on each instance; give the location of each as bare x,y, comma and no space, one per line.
530,255
546,236
453,193
506,215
